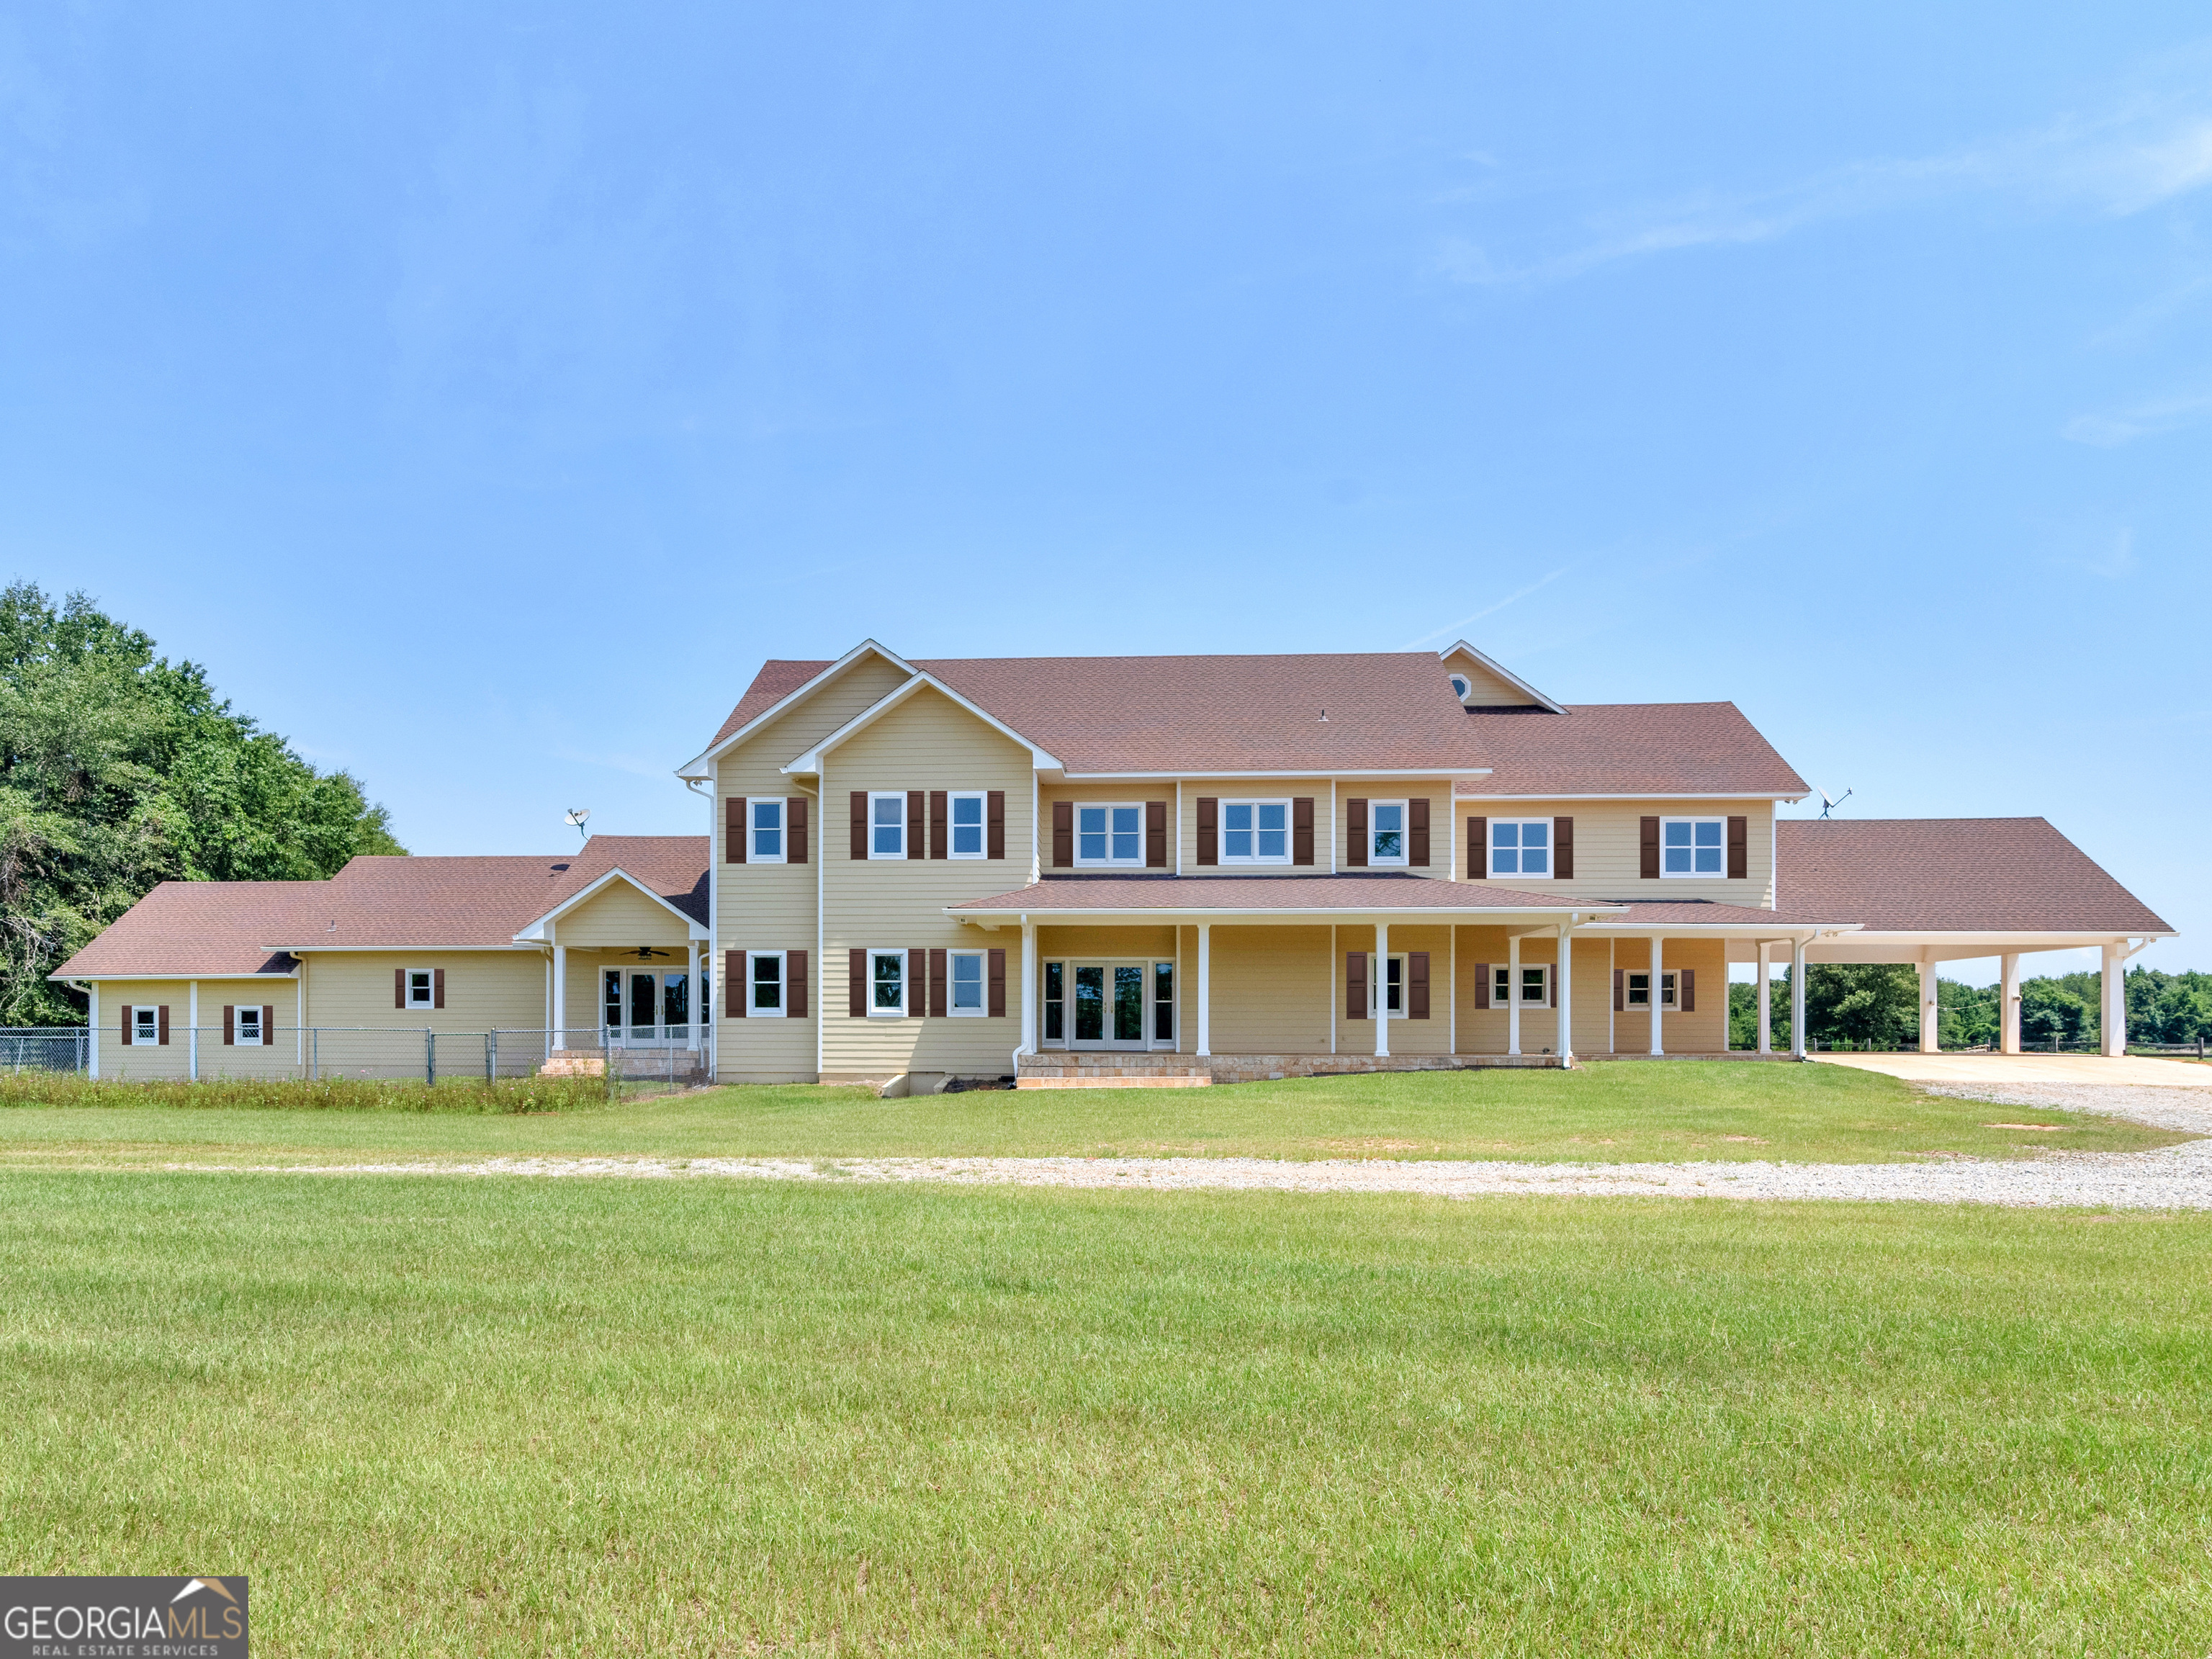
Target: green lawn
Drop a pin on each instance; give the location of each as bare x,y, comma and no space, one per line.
439,1416
1613,1113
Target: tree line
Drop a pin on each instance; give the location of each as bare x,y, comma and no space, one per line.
120,769
1860,1004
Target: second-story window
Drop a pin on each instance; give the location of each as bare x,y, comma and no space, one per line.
1520,847
767,831
1255,832
1692,847
1109,834
887,826
1386,832
967,824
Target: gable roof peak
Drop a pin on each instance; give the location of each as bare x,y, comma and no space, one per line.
1498,670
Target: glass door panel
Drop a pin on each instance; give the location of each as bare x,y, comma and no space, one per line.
642,1001
610,1001
1129,1004
1089,1004
676,1001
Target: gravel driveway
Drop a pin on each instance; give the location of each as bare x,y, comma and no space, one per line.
2172,1178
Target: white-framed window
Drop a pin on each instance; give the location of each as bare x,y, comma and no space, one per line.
1386,989
886,984
1386,832
421,988
245,1028
1163,1003
1693,847
967,808
965,997
1459,687
1110,833
145,1025
1255,832
1056,1003
1521,849
1535,985
1637,994
766,828
887,825
764,987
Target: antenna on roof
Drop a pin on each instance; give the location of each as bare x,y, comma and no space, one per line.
578,814
1825,803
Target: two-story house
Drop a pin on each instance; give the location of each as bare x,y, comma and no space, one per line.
1116,870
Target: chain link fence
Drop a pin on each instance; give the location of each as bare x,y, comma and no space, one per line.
422,1055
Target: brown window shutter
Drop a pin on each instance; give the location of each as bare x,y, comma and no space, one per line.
937,809
1355,830
1417,831
1563,848
1552,987
733,829
856,984
1685,990
1063,834
126,1025
1301,839
1355,984
1650,841
915,802
996,968
1478,849
795,830
1417,984
917,983
735,989
228,1015
161,1025
1209,830
437,987
399,987
859,848
937,985
1482,978
1620,989
795,984
1156,835
268,1023
994,822
1739,845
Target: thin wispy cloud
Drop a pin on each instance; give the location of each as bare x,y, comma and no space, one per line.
2112,560
2140,154
1514,598
2110,428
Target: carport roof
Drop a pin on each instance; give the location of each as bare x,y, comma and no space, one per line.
1256,894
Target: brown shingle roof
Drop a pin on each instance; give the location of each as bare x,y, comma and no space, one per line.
186,928
1951,876
777,679
1339,892
1628,748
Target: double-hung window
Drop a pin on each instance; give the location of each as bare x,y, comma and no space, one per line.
1055,1001
145,1025
1692,847
1638,992
1109,834
1521,848
1386,832
967,807
1388,988
1255,832
767,830
887,984
764,998
1536,986
247,1026
966,998
887,825
421,988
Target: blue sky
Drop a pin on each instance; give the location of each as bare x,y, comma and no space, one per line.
481,392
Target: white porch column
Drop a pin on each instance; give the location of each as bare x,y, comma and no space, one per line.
1765,998
1205,988
1797,997
1928,1031
1028,992
1564,991
1658,1046
2112,1026
1382,982
2009,1009
1513,994
559,997
91,1016
699,1010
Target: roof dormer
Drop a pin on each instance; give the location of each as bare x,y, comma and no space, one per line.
1480,682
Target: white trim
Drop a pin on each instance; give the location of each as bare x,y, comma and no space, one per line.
753,830
819,967
953,1008
1744,795
1503,673
714,751
192,1036
982,799
1255,802
534,934
715,854
1110,862
1490,849
871,826
1332,987
811,760
238,1013
1466,915
869,984
782,1009
1693,820
187,973
92,1019
1377,976
1404,859
148,1015
430,990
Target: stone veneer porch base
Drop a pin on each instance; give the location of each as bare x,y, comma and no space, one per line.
1108,1069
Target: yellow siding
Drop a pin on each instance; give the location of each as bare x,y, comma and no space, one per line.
1484,689
137,1064
485,990
1609,841
1271,991
618,915
1438,795
1702,1031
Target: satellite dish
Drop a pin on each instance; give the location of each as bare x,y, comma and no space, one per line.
1827,803
576,816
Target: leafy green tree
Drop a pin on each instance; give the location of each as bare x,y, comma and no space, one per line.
1853,1004
1967,1015
2054,1008
120,769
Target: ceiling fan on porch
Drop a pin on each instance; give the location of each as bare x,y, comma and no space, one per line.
645,953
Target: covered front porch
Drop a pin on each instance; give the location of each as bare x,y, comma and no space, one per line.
625,972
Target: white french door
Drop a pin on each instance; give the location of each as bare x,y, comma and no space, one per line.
1110,1005
643,1008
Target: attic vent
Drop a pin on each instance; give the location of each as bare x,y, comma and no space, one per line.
558,868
